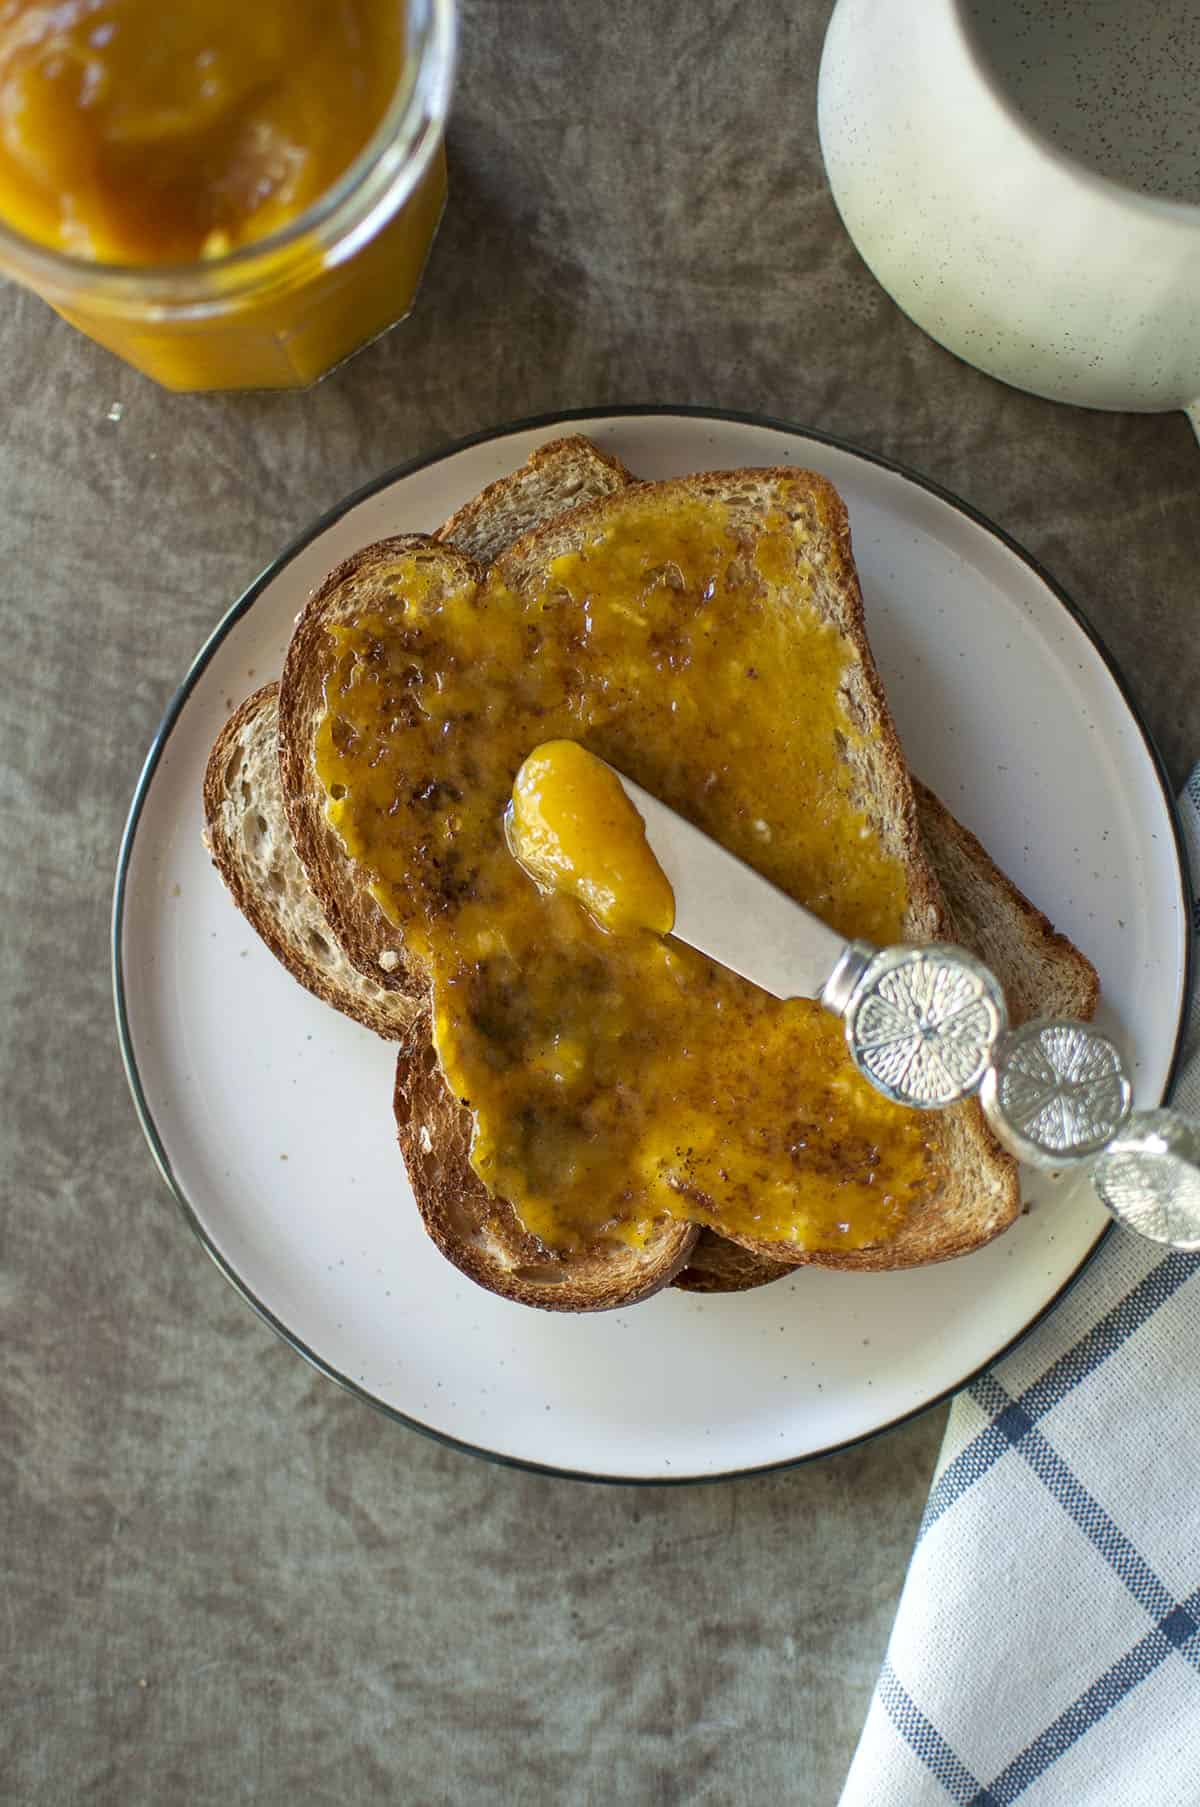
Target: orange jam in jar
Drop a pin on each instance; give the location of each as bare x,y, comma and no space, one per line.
227,195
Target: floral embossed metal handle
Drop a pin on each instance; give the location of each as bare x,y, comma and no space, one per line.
922,1023
1057,1092
1057,1095
1149,1178
927,1027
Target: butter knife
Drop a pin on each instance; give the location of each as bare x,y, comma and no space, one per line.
927,1026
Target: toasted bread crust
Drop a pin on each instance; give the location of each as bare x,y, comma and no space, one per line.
247,834
482,1235
717,1265
553,480
371,942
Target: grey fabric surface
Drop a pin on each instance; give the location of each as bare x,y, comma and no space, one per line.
225,1581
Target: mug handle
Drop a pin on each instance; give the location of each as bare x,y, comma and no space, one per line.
1193,414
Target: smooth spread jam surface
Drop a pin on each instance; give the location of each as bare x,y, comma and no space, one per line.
573,828
133,132
617,1078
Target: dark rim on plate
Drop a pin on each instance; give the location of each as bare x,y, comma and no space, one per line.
575,417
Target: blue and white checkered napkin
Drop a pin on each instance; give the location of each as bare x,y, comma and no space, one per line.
1047,1645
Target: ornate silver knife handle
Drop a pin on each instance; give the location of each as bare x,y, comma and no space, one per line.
1057,1092
922,1023
928,1027
1057,1095
1149,1178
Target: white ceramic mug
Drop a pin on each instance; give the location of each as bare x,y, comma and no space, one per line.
1015,176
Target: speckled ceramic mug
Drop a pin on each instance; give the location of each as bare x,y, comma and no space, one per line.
1023,177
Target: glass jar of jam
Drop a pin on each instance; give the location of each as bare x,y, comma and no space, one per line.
232,194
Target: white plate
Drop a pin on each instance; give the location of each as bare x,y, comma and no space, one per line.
270,1115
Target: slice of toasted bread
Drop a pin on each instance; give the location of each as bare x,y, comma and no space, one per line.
978,1194
1042,973
266,880
246,827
